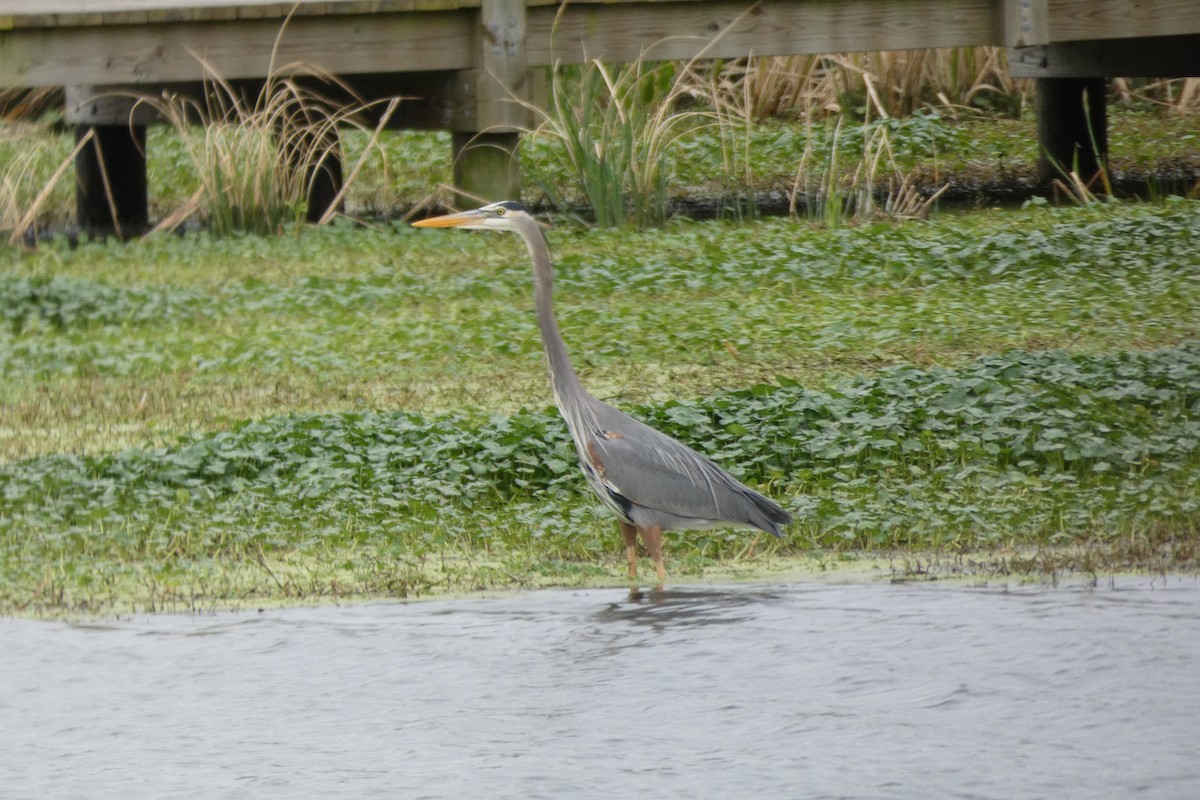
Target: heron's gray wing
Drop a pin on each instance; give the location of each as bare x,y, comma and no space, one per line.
655,471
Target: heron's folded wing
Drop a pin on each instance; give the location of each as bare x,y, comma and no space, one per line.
655,471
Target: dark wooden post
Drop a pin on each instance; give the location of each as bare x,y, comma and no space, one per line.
310,145
324,183
1072,120
111,195
110,180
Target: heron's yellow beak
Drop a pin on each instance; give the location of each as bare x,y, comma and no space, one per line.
449,220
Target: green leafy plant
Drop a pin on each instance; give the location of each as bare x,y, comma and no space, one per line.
192,332
1023,448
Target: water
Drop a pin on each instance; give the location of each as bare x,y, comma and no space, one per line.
797,691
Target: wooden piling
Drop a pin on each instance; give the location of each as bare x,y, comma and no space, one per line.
486,167
1072,120
110,173
310,144
485,157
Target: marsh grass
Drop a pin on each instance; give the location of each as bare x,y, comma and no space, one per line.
251,155
721,86
619,132
615,130
257,158
25,187
610,137
897,83
611,130
837,183
1180,96
398,167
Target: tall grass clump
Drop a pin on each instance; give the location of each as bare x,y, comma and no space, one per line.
612,131
885,83
853,173
609,130
1176,95
720,86
898,83
31,174
256,158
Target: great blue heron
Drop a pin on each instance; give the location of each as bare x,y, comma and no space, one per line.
650,481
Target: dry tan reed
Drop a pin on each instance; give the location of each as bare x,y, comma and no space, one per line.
23,191
889,83
23,105
257,156
897,83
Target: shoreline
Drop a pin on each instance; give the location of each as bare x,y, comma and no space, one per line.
1047,567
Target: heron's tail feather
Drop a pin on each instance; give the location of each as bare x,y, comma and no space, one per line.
767,515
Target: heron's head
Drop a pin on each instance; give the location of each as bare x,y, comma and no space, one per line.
503,216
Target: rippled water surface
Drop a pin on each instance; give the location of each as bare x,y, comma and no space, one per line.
862,691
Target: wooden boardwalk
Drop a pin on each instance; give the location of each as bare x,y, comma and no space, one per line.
64,42
462,60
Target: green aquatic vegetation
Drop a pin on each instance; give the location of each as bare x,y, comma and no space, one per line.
63,303
109,346
1015,449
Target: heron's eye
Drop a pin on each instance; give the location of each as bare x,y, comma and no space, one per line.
500,211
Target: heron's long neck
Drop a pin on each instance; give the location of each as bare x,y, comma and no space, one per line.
562,374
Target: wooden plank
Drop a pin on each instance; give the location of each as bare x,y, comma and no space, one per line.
151,43
106,105
1160,57
429,100
1076,20
155,54
676,30
265,11
19,14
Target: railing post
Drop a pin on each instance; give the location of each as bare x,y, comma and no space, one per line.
485,160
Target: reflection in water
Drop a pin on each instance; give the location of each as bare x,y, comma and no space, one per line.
644,617
774,691
688,607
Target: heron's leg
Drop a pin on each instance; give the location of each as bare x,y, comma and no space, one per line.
652,536
630,534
